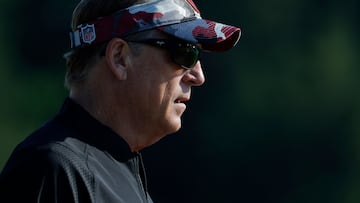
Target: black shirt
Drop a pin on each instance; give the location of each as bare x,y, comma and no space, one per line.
74,158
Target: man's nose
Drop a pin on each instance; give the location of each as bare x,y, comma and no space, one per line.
194,76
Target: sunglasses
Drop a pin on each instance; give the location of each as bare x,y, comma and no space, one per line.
182,53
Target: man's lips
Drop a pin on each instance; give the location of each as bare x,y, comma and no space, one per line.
182,100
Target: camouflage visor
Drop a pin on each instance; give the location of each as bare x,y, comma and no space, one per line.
179,18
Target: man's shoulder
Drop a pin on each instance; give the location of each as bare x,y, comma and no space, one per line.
49,153
51,141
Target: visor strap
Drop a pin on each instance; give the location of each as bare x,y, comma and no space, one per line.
75,39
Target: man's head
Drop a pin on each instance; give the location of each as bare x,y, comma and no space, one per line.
133,67
97,21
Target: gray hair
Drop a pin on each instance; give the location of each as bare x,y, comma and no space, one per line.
80,60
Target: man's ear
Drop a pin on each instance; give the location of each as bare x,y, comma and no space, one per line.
117,56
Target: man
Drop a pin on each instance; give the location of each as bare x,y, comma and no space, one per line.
130,71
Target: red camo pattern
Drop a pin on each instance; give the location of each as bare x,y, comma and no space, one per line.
184,25
135,22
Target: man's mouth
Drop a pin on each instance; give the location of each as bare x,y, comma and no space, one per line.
182,100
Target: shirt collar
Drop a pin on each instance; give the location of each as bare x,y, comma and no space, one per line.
92,132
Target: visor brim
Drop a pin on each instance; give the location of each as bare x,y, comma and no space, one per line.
211,35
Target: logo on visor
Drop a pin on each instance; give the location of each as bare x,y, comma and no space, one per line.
88,33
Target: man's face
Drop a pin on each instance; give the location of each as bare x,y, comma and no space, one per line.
159,90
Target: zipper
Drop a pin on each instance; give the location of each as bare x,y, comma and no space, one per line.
141,174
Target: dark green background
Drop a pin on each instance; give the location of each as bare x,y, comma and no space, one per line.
277,120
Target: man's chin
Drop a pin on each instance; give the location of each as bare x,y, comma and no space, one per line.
174,125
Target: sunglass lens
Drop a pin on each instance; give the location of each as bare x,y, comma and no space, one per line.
187,57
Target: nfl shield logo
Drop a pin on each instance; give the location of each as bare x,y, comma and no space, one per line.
88,33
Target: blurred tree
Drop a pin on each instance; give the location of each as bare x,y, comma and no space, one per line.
276,121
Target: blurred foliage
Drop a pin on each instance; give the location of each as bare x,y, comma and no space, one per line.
276,121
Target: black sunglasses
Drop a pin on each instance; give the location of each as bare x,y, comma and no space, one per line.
182,53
